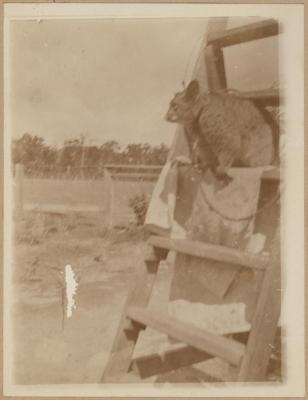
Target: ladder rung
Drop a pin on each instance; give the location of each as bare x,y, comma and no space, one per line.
175,357
245,33
209,251
265,97
217,345
275,174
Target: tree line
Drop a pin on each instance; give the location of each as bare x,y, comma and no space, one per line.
75,157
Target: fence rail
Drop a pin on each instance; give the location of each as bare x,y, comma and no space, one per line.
134,172
140,167
106,196
118,171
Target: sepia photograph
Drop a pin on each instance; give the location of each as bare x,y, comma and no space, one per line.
153,200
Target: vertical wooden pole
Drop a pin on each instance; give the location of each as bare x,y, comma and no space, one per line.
82,140
214,60
19,179
68,172
264,325
109,198
215,66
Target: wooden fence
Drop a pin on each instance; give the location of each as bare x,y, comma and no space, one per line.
100,196
137,172
119,171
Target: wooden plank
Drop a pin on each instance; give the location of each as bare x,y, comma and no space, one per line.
266,97
216,345
209,251
134,172
127,333
135,167
245,33
265,321
178,357
271,93
61,208
171,359
134,176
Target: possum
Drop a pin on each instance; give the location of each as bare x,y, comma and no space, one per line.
223,130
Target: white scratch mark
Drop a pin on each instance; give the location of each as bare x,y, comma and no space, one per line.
71,289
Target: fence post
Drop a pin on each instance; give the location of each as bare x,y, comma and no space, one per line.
68,172
109,198
19,179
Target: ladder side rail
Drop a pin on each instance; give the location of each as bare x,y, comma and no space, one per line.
127,331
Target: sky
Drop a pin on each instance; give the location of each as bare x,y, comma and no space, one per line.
112,79
107,79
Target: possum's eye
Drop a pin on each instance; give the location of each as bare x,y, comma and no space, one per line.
174,107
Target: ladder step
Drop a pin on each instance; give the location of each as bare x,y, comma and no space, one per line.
169,360
210,251
217,345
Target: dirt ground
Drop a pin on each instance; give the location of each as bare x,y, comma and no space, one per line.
46,348
50,348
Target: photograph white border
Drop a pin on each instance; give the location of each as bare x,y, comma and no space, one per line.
291,18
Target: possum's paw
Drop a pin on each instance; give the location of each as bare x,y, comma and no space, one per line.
222,180
222,176
225,179
181,160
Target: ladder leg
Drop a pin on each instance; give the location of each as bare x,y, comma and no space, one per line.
128,331
264,325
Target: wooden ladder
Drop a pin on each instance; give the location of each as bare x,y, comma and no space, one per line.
251,358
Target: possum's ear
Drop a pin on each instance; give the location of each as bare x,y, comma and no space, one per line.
192,90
